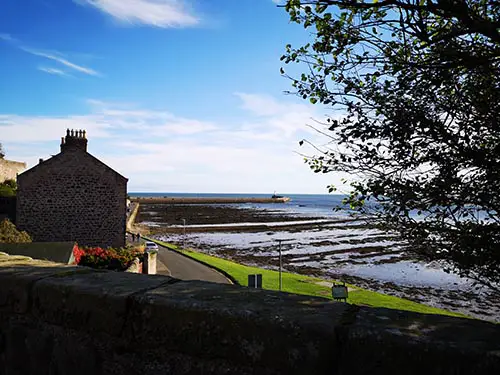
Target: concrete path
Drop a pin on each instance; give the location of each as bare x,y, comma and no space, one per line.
181,267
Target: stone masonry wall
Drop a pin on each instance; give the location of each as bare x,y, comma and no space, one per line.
9,169
73,197
73,320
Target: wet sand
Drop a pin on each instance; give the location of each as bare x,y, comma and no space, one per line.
197,214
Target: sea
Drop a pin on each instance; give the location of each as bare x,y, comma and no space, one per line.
300,204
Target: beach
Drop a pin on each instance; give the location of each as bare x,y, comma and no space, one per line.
316,240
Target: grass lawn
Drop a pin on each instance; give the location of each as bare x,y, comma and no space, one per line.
300,284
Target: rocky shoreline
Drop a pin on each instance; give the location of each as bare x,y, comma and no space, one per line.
165,221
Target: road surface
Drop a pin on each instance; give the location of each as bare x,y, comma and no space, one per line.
173,264
181,267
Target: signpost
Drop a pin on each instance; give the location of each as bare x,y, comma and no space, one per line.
281,263
340,292
184,234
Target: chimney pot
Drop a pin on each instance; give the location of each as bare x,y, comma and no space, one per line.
74,140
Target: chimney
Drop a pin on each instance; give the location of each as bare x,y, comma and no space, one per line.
75,140
40,161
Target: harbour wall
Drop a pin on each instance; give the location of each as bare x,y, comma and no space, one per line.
211,200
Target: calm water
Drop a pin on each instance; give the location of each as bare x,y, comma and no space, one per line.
300,204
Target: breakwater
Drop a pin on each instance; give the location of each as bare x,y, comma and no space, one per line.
206,200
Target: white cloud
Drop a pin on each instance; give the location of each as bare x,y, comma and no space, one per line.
159,13
286,118
53,71
161,151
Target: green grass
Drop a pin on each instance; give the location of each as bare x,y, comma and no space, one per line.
301,284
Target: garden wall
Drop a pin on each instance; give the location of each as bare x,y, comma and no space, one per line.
58,319
61,252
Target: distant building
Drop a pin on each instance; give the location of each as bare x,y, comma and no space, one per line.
73,197
9,169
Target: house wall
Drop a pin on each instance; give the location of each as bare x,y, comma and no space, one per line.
73,197
9,169
8,208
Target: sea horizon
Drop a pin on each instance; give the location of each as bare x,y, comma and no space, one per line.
156,193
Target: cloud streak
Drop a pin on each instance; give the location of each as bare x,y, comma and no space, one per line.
54,71
158,13
53,56
7,37
61,60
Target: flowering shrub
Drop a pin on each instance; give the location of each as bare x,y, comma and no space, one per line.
108,259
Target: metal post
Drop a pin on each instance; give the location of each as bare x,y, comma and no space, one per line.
184,235
279,249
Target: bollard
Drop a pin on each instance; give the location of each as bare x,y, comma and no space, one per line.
149,267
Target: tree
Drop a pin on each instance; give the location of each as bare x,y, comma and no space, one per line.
10,234
416,87
2,152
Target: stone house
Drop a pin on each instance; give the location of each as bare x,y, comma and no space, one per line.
73,197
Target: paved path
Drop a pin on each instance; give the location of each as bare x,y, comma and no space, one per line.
178,266
173,264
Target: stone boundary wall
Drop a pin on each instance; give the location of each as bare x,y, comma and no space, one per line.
57,319
60,252
9,169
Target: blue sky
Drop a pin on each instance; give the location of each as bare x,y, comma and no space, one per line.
177,95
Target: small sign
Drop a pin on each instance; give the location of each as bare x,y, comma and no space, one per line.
339,292
255,281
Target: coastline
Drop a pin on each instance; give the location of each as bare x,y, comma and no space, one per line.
330,248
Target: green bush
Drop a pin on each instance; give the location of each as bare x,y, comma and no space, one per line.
10,183
7,191
8,188
10,234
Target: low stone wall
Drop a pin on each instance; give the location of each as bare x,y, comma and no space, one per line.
60,252
71,320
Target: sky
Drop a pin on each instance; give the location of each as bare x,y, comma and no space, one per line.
176,95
